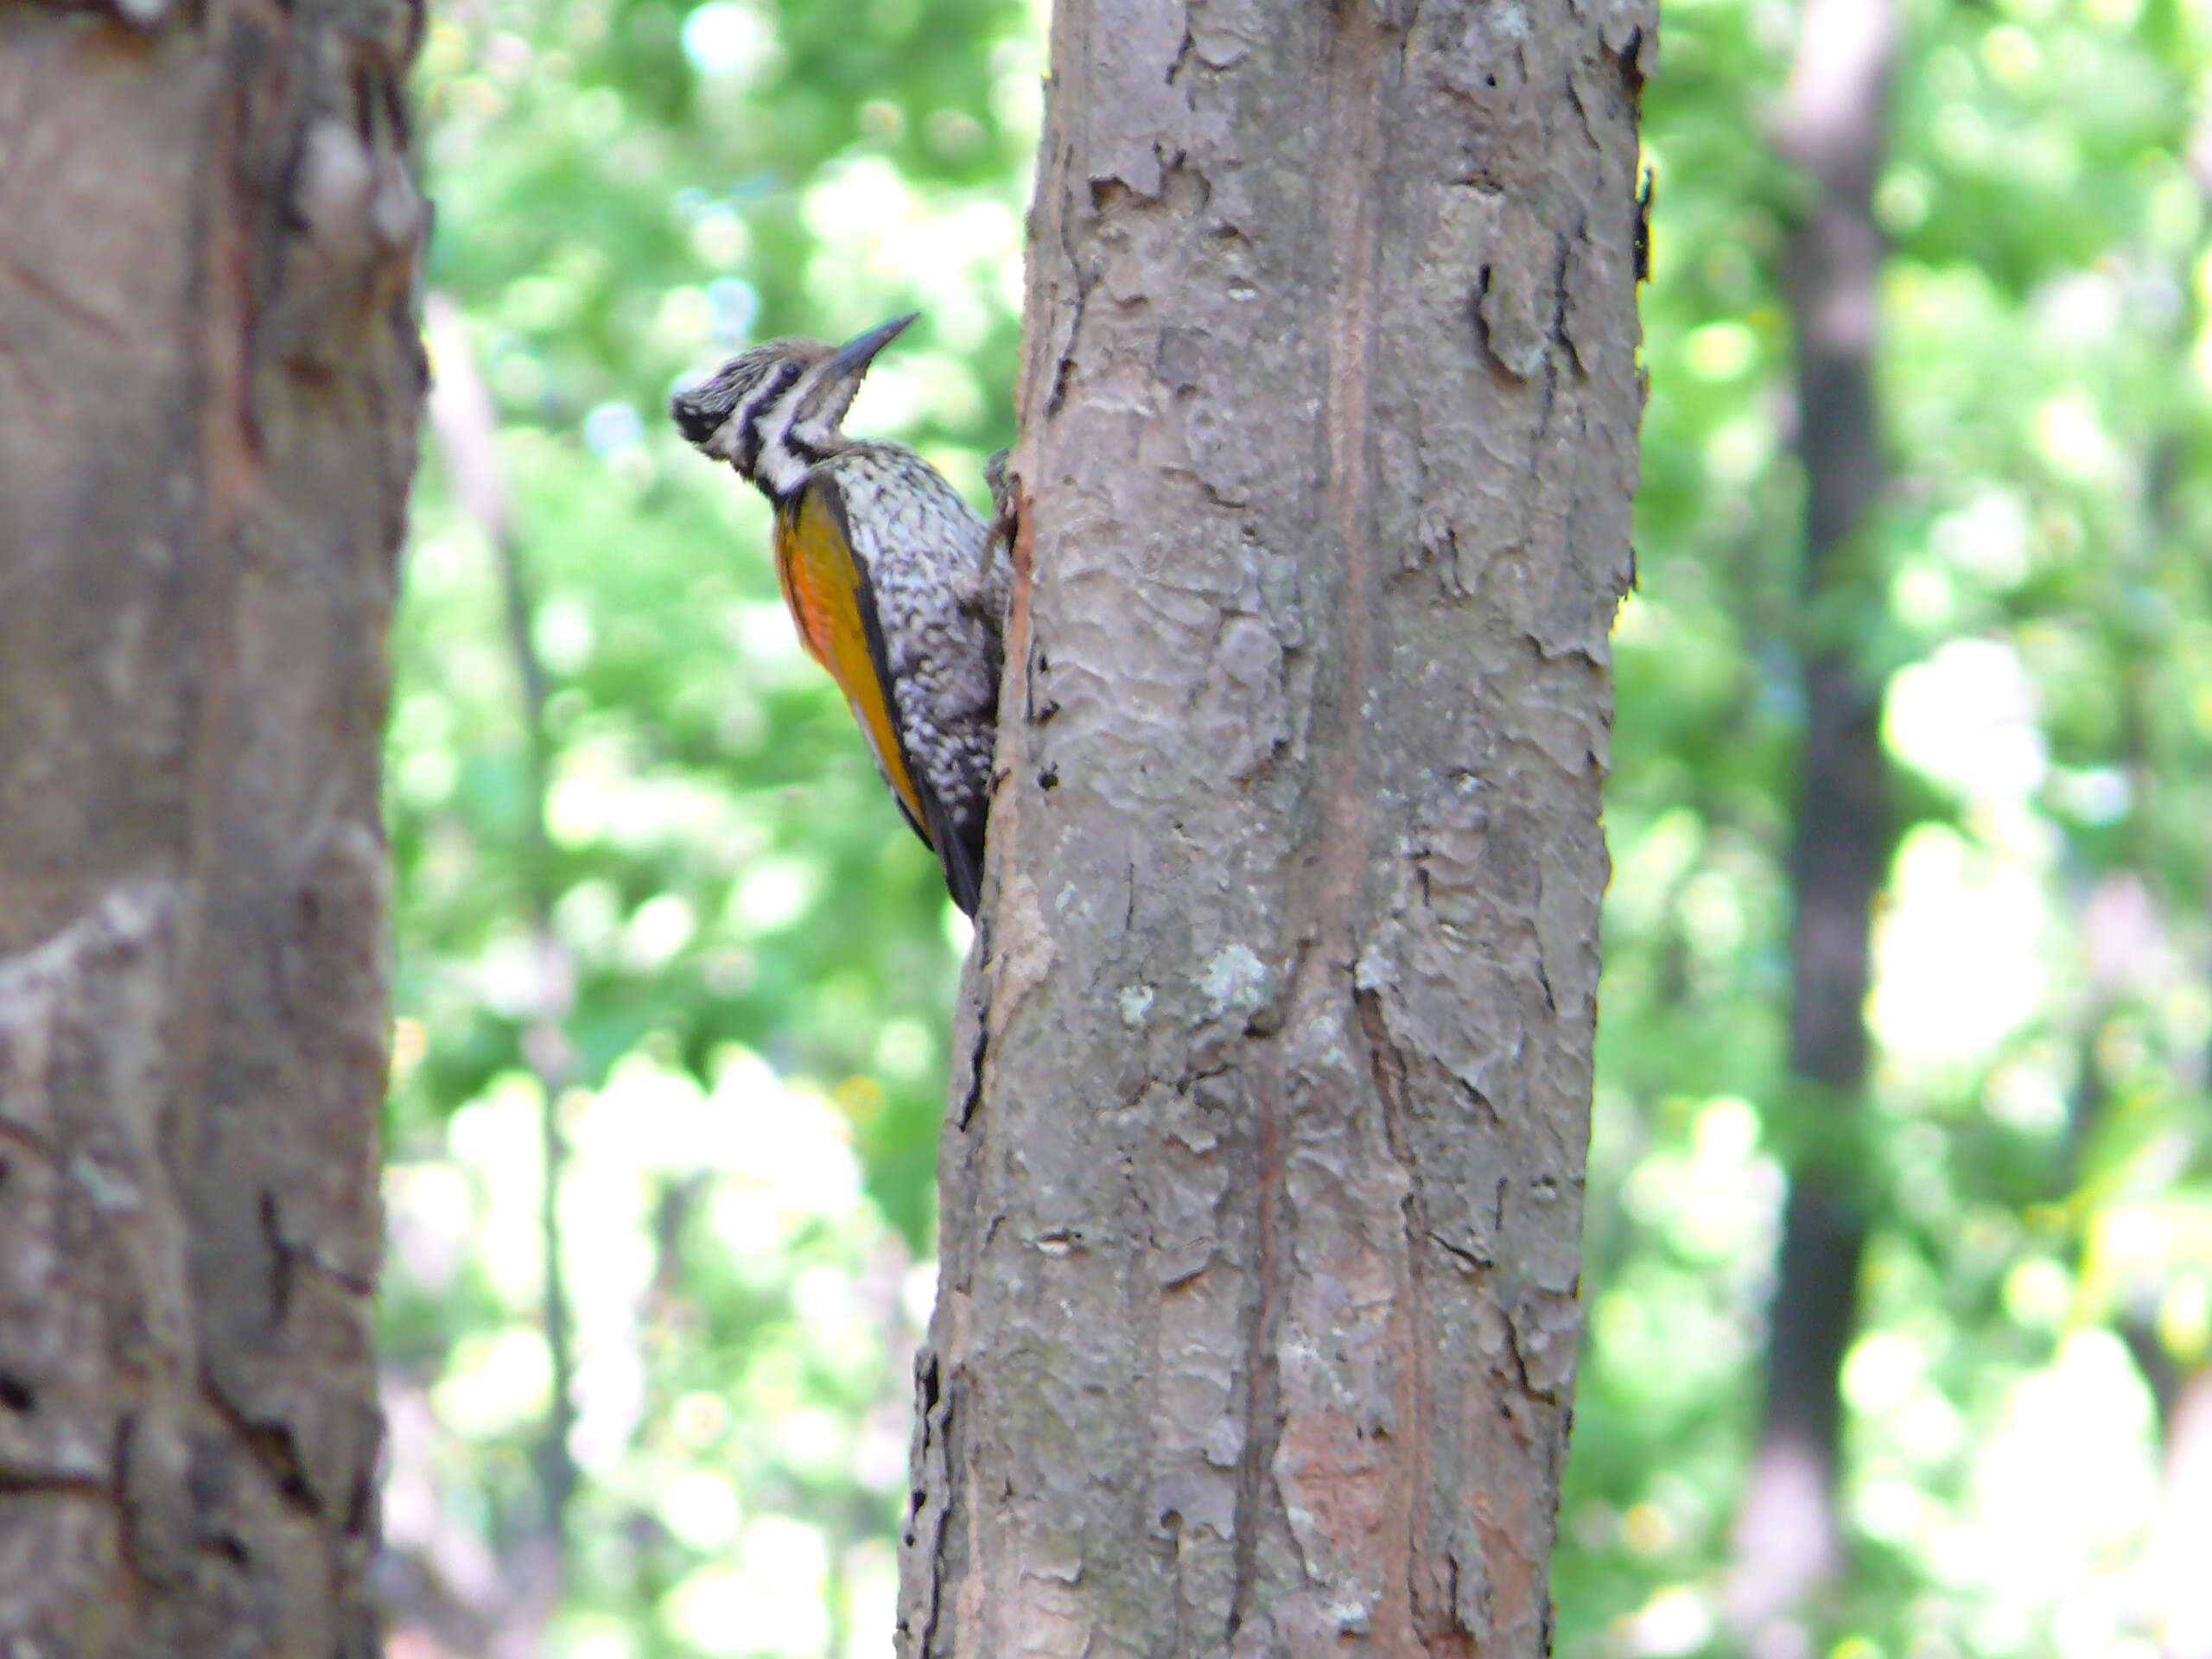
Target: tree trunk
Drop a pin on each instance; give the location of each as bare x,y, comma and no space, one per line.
208,380
2181,1527
1833,124
1263,1168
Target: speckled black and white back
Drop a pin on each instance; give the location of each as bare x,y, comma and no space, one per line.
940,580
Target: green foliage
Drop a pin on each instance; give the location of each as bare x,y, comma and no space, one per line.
2034,1159
753,959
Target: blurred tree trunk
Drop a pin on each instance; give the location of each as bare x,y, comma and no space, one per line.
208,381
2180,1542
1833,124
2135,955
2182,1528
1263,1163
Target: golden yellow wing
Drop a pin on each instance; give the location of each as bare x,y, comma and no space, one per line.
829,599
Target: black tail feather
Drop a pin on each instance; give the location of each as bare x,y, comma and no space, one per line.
959,848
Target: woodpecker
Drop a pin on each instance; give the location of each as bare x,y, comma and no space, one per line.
896,587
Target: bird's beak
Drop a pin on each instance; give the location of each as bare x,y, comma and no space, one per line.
855,354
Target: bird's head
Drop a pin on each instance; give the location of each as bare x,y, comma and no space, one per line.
775,410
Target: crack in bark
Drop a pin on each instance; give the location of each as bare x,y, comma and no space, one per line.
27,1138
1084,282
1387,1073
1263,1404
1182,56
18,1482
221,265
934,1417
1352,134
978,1050
275,1445
1466,1255
1529,1388
1562,301
59,298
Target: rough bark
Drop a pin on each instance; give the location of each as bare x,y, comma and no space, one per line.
1263,1168
208,380
1833,124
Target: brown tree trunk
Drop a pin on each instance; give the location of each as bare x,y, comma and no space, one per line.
1833,124
1264,1171
208,380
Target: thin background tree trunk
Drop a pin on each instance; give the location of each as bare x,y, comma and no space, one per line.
1833,123
208,382
1263,1168
2180,1540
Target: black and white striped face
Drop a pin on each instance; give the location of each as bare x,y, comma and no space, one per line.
775,411
743,414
